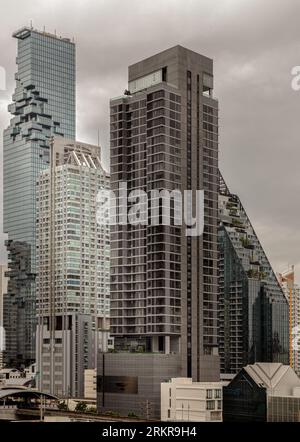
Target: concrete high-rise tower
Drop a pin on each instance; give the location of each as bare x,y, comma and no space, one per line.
73,267
164,284
43,105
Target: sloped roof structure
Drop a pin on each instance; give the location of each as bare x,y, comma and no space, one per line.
275,377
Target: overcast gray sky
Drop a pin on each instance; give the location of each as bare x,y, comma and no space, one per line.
254,44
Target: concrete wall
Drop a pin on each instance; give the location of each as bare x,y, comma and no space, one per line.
132,381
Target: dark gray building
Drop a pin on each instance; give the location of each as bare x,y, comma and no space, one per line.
130,382
17,306
164,284
253,310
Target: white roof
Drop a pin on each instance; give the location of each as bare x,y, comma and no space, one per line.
273,376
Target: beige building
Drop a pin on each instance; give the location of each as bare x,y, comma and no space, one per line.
292,293
185,400
90,383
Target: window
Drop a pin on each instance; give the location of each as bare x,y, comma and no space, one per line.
218,394
210,405
215,416
209,394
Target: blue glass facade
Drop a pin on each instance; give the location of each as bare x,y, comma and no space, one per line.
43,105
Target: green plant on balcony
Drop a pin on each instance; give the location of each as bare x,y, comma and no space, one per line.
245,241
253,273
237,222
262,275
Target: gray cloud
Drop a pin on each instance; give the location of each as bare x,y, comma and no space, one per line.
254,45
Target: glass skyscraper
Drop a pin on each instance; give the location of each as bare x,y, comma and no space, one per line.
43,105
253,310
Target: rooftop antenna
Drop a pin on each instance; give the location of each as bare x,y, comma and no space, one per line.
98,138
44,29
31,27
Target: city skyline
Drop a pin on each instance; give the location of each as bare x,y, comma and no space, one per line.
149,259
259,78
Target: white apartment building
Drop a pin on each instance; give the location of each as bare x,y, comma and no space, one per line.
185,400
73,267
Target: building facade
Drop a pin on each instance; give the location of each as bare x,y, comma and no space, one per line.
73,267
263,392
3,290
18,307
129,383
292,293
253,311
90,383
43,104
164,283
185,400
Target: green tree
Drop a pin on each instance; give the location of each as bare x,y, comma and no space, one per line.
62,406
81,407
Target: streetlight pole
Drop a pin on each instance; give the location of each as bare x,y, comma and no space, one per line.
41,408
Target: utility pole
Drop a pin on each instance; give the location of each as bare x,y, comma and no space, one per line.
68,395
41,408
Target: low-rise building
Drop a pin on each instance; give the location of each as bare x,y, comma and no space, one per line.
90,383
185,400
129,383
263,392
15,377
